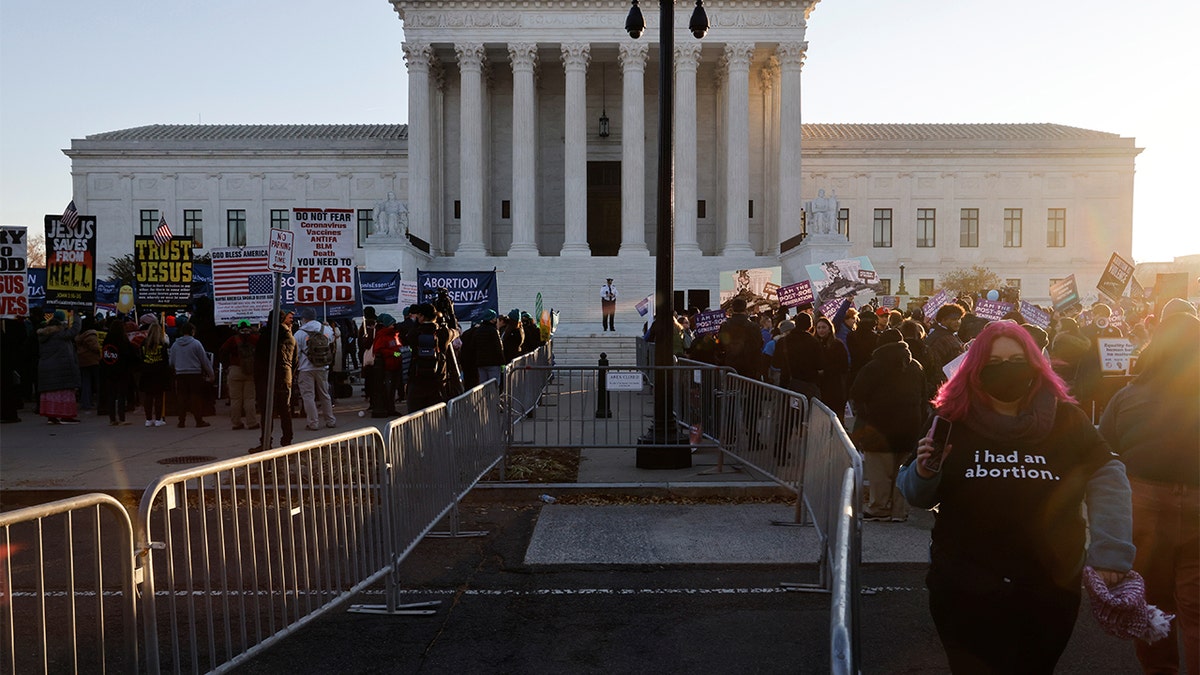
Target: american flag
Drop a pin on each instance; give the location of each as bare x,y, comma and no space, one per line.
70,217
162,235
242,276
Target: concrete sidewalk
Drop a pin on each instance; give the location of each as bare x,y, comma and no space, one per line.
41,462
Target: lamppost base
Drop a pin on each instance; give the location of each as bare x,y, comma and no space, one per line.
669,450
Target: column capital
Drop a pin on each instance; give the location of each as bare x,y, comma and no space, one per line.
470,55
766,76
738,55
687,55
791,54
632,56
523,55
437,75
576,55
418,55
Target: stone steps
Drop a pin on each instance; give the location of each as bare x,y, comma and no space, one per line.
585,350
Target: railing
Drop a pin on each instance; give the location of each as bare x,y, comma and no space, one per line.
844,645
765,430
525,379
64,624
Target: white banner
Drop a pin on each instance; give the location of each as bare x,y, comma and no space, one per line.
14,279
324,255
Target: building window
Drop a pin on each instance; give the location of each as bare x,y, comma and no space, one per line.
505,209
844,222
701,208
968,234
235,226
457,209
1056,228
885,286
751,214
193,226
1013,283
281,219
149,222
366,220
925,287
1012,228
926,228
883,229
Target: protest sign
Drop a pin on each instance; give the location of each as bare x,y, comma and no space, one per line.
471,292
35,285
1116,277
709,323
796,294
1064,294
842,278
1115,355
243,286
409,294
755,285
889,301
831,307
14,278
70,263
992,310
164,273
935,303
324,256
380,288
643,306
1034,315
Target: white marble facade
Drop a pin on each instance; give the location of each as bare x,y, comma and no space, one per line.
504,102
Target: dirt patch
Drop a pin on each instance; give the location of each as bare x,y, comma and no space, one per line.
539,465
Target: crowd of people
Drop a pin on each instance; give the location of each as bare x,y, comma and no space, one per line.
1036,429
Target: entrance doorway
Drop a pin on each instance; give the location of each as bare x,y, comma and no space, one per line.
604,207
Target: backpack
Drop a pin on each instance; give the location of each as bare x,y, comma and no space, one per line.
428,357
318,348
245,354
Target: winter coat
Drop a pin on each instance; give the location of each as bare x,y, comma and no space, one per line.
513,340
943,347
798,357
285,363
835,363
889,395
118,359
87,348
741,346
58,366
860,343
188,358
485,345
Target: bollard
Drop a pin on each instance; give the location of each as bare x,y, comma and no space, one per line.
602,406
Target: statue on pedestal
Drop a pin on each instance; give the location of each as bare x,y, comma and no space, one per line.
391,217
821,213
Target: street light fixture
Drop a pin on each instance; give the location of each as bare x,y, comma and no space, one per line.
662,447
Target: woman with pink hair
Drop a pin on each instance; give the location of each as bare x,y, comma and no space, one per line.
1008,545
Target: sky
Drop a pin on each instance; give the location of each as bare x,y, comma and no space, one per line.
70,68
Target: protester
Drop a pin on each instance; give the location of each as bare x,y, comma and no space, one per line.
487,351
774,373
861,342
387,360
87,351
798,357
314,342
834,364
284,353
238,354
1154,425
942,343
740,342
512,335
533,334
154,376
1008,542
118,361
58,370
889,403
427,375
193,372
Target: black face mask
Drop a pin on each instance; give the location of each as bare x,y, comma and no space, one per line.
1007,381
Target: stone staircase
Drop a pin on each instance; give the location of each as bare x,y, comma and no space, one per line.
584,349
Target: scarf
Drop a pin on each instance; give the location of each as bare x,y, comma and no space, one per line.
1032,423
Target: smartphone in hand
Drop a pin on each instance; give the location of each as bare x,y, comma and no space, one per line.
939,434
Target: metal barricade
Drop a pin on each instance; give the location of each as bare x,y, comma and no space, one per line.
844,644
58,606
765,430
594,407
525,379
244,552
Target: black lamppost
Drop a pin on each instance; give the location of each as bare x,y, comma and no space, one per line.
655,449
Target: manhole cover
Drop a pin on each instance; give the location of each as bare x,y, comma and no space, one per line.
187,459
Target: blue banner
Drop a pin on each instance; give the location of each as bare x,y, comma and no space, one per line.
36,285
379,288
472,292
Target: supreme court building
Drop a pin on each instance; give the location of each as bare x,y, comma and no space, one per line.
531,147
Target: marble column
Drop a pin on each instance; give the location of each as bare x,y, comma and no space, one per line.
524,59
470,68
737,120
575,56
791,60
418,56
633,149
687,60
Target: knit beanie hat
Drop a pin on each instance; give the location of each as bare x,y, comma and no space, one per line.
1122,610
